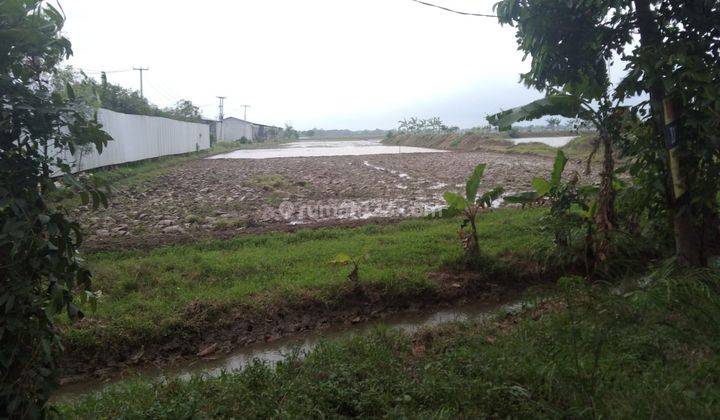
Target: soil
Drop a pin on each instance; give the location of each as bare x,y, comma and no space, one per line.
205,199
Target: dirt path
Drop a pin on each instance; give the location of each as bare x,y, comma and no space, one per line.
221,198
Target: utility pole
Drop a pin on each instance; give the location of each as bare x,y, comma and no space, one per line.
141,69
221,115
245,107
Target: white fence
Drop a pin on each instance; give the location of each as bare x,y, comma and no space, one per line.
138,137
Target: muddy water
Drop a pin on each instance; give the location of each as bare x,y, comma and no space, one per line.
278,350
324,148
550,141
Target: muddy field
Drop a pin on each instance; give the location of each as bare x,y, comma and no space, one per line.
220,198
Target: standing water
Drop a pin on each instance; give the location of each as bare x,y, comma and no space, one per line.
550,141
277,351
324,148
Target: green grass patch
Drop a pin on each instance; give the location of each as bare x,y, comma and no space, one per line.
144,293
649,352
533,148
134,173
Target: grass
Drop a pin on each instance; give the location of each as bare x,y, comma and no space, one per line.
145,293
134,173
649,352
578,148
269,182
137,172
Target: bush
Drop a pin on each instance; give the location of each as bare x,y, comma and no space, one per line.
39,263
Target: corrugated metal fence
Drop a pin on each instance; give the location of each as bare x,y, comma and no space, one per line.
138,137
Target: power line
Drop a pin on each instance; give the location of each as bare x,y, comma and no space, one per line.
454,11
161,93
106,71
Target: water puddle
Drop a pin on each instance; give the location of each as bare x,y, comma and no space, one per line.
550,141
278,350
324,148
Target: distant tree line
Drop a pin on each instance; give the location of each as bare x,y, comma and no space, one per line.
340,133
424,125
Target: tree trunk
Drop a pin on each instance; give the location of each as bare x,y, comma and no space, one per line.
687,245
605,216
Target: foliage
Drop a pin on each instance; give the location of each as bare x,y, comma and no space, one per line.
346,259
674,63
183,110
572,207
469,206
39,261
556,103
553,122
421,125
117,98
289,133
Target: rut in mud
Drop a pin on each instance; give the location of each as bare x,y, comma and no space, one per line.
218,198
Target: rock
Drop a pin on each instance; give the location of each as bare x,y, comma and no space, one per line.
71,379
174,229
166,222
207,351
102,232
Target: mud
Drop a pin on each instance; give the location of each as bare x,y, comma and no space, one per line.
220,198
210,364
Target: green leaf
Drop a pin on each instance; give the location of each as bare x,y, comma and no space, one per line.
455,201
542,186
558,168
444,213
525,197
70,91
487,199
473,183
569,106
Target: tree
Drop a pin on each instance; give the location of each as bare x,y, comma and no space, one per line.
553,122
117,98
39,263
184,110
675,62
289,133
607,119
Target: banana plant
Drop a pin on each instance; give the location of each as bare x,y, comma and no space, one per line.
544,188
606,117
469,206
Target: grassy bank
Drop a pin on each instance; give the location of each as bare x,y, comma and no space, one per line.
587,353
577,148
153,297
137,172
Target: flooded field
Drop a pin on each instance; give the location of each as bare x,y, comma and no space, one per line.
550,141
324,148
221,197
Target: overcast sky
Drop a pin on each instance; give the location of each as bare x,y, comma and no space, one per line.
315,63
